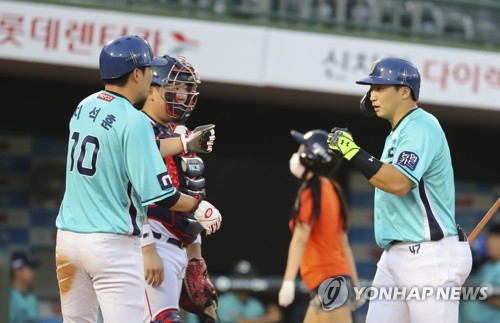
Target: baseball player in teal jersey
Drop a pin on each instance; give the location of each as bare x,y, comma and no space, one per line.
414,200
114,170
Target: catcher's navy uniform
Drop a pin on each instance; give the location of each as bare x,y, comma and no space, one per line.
174,231
185,172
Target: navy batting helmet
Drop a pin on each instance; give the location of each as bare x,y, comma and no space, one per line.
180,80
394,71
317,157
123,54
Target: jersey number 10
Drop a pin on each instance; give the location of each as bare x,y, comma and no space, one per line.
88,140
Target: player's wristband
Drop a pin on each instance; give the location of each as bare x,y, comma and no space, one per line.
366,163
147,236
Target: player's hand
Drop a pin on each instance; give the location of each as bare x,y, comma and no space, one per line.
287,293
200,140
153,265
340,141
208,216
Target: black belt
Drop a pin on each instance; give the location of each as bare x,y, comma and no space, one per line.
462,237
173,241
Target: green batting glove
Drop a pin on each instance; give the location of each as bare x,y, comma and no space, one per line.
340,140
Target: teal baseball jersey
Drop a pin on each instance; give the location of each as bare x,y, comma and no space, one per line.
23,307
419,149
114,168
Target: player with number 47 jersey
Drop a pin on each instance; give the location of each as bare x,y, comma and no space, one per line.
414,199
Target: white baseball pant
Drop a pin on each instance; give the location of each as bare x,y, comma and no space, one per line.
446,262
100,269
166,296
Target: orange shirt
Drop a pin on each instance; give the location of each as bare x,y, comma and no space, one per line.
323,256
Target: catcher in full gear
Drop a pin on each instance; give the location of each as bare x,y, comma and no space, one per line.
171,100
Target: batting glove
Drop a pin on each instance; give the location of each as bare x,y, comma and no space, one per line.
200,140
208,216
287,293
340,140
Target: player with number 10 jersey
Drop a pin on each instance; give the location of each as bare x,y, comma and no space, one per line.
108,138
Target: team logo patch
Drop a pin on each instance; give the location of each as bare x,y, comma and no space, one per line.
408,159
164,180
372,66
105,97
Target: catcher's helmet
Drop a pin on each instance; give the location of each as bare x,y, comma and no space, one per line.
123,54
170,77
394,71
317,157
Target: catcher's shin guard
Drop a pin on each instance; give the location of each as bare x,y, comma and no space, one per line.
168,316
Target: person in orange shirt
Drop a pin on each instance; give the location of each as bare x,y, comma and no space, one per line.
319,245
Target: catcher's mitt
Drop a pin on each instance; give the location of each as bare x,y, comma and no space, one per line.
198,294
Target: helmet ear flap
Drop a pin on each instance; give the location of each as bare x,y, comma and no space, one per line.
307,162
366,105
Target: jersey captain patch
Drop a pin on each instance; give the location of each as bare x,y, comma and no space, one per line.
408,159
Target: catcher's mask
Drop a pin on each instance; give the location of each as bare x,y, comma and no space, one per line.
317,157
179,81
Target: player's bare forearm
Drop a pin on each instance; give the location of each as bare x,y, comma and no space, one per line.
153,265
296,250
194,251
381,175
171,146
391,180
